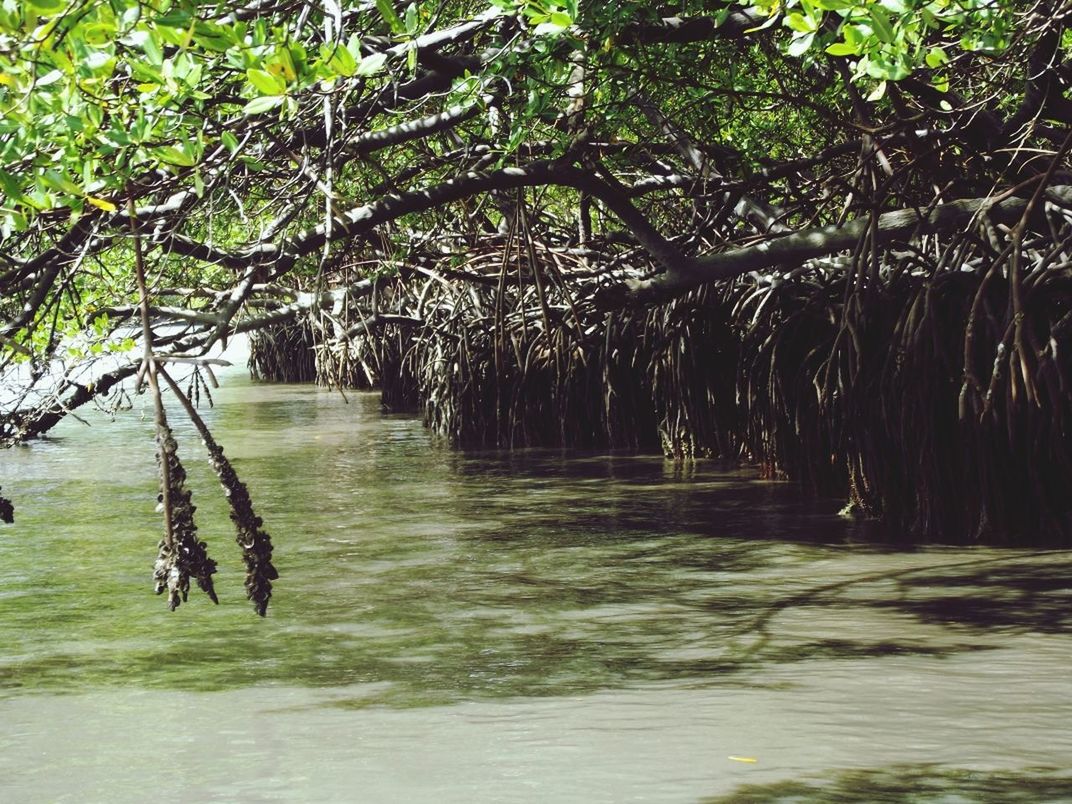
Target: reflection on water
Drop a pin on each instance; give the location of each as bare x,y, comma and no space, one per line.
569,627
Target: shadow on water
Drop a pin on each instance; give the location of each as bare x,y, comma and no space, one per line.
1033,596
910,783
642,493
438,576
537,623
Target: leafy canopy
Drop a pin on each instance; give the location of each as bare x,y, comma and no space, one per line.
95,95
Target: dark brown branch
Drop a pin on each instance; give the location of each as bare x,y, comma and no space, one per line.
692,29
794,249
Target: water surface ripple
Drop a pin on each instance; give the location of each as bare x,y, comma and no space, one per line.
531,626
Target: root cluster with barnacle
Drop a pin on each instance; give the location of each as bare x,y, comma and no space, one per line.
182,555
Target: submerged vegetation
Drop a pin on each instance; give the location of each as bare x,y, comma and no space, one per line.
833,237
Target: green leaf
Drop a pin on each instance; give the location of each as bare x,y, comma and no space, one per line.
854,35
99,33
936,57
548,29
372,64
895,6
47,7
218,38
262,104
390,16
883,29
174,156
230,141
58,181
842,49
152,49
99,62
9,184
176,18
48,78
266,83
798,22
282,64
339,59
800,44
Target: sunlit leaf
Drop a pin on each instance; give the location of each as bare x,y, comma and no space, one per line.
101,203
175,156
46,7
390,16
842,49
372,64
266,83
262,104
878,92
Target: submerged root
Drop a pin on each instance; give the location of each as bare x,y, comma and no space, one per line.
7,510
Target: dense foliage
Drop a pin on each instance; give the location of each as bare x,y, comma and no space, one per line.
267,139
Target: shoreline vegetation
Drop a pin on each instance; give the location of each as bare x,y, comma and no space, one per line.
853,392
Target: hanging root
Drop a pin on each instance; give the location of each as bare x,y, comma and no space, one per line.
7,510
255,543
926,381
912,396
499,367
183,555
924,393
284,353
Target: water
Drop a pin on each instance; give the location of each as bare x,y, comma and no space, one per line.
536,626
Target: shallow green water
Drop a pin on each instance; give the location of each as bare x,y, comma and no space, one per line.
536,626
